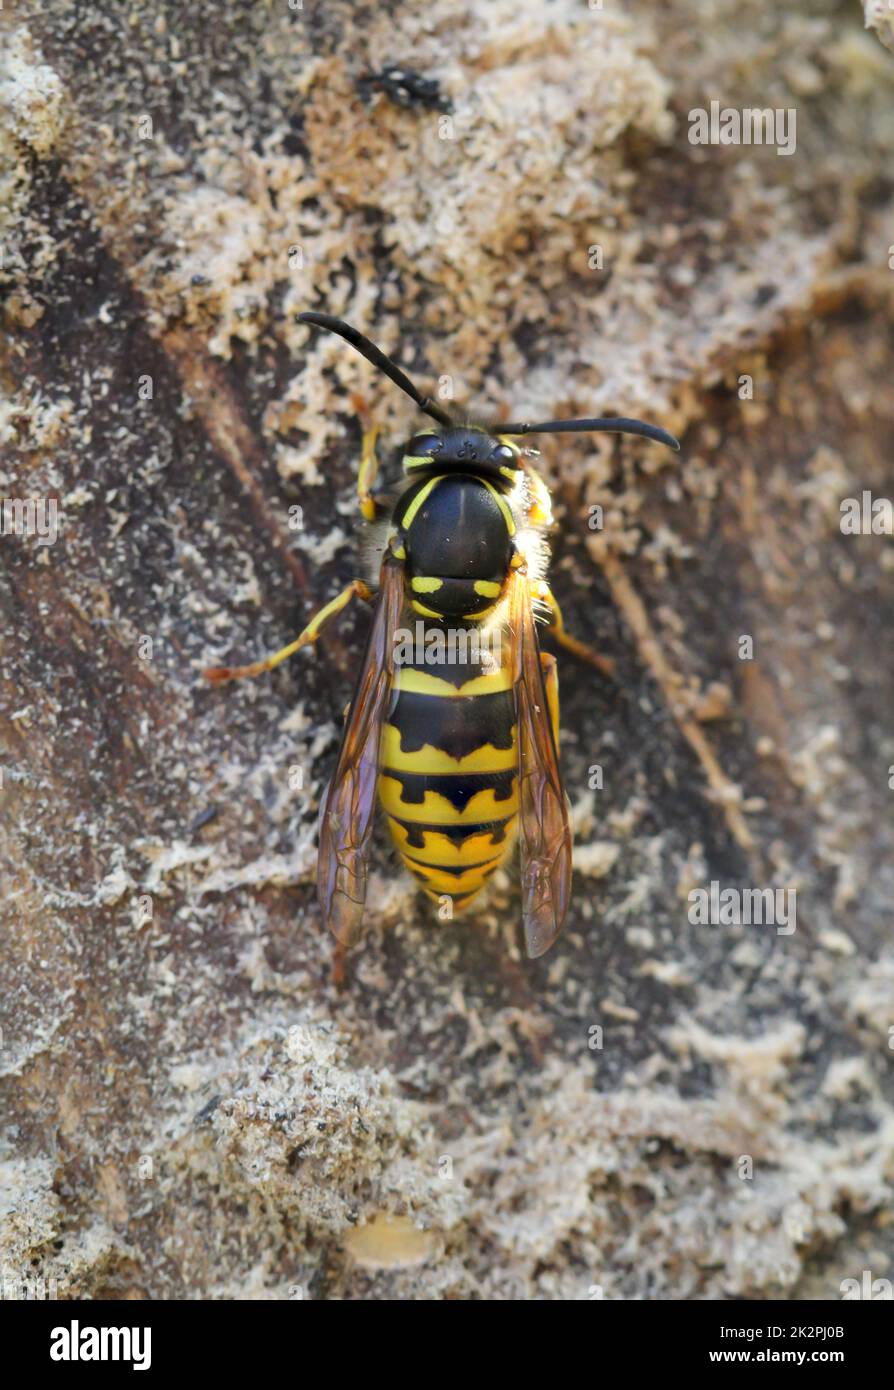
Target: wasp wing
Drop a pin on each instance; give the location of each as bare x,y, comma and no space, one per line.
544,826
346,817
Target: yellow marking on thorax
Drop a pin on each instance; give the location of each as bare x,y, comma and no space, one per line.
503,505
419,499
541,508
466,617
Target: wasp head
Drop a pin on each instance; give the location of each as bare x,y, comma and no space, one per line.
463,449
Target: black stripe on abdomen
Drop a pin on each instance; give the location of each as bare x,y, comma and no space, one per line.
456,834
456,726
458,789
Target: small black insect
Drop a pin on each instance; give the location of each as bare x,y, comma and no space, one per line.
405,87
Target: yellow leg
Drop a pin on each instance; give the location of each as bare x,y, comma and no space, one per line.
217,675
571,644
369,464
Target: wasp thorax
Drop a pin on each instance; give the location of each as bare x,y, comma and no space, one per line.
457,533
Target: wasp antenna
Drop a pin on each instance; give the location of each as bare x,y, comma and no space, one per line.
377,357
607,423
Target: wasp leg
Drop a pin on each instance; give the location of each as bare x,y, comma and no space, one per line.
571,644
369,463
217,675
550,668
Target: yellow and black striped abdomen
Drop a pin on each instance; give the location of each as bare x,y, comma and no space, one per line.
448,774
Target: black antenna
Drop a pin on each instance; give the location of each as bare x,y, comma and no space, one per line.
615,426
378,359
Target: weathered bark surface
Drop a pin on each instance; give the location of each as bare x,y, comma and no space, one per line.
190,1107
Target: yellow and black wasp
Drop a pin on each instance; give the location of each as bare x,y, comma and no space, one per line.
457,739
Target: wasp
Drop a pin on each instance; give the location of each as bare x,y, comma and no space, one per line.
460,748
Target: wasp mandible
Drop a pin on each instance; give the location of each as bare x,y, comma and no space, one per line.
460,749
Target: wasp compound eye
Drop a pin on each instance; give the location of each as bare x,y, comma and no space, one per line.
503,454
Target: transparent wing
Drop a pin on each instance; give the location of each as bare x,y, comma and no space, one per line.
544,826
346,817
